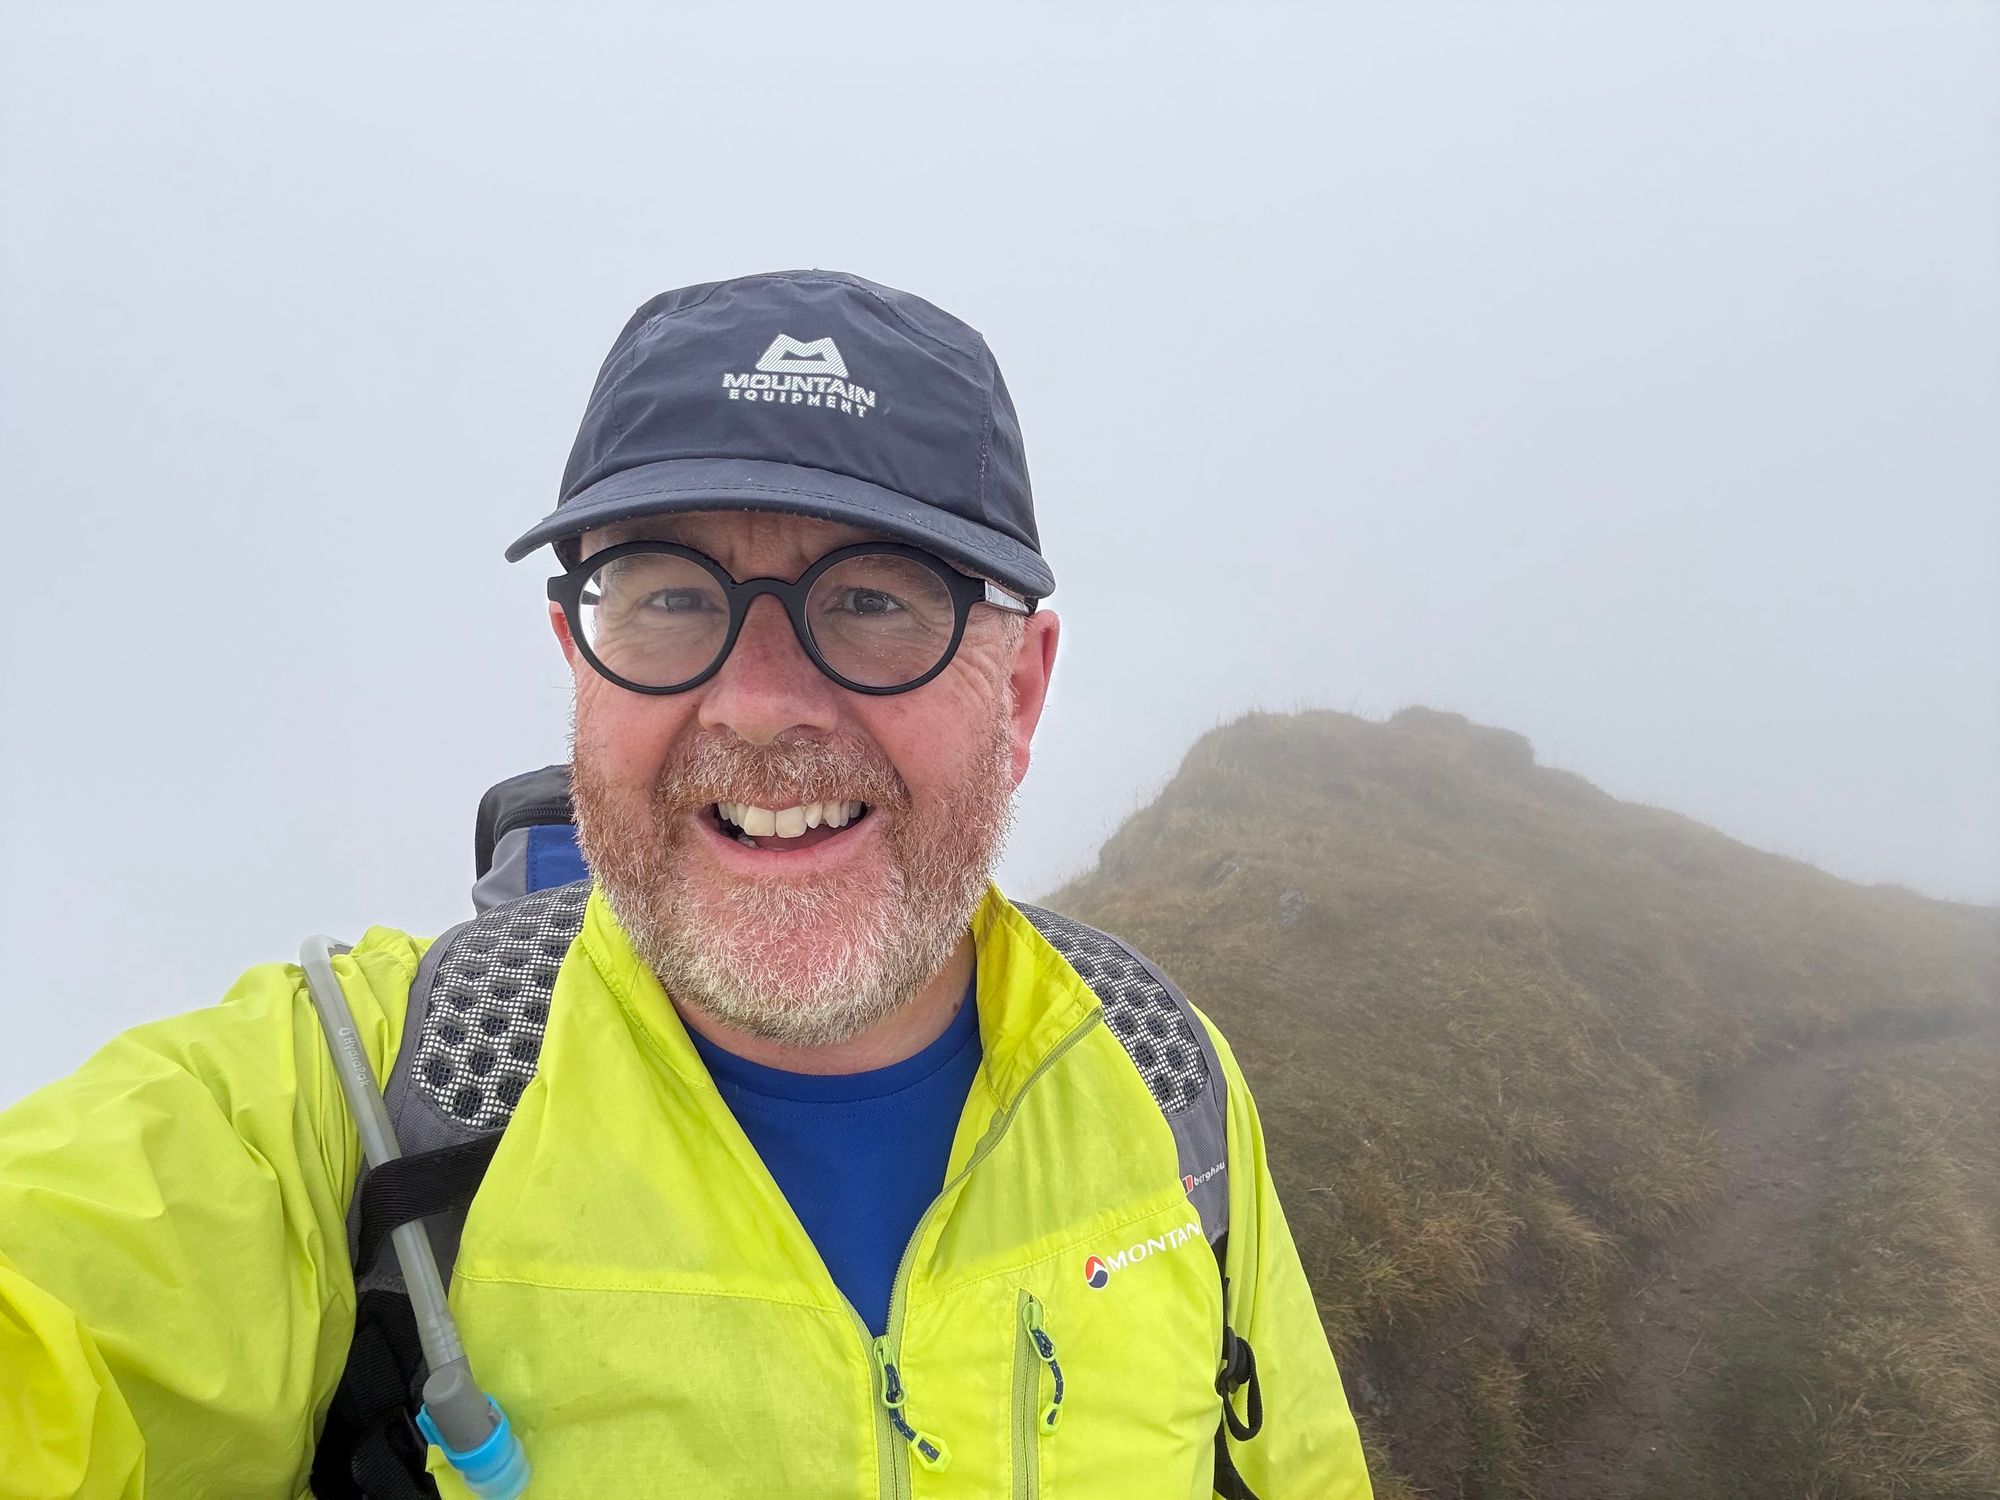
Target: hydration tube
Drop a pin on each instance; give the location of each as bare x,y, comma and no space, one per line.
465,1423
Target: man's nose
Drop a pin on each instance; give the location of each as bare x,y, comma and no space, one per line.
769,686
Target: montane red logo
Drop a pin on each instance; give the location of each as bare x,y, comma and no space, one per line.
1098,1268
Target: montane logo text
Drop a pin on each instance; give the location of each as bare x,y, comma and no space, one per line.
1098,1268
795,373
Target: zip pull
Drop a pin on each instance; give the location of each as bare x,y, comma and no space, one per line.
930,1451
1045,1350
889,1382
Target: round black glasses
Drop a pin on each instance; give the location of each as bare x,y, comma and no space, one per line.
876,617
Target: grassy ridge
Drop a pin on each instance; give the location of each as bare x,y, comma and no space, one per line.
1885,1377
1479,1001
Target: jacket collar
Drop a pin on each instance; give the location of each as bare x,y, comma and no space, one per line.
1029,997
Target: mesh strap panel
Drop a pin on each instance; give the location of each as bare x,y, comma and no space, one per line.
1170,1047
1145,1018
488,1006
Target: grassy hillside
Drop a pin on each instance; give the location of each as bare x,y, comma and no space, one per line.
1877,1371
1479,1001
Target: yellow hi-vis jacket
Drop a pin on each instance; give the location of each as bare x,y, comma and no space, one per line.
176,1299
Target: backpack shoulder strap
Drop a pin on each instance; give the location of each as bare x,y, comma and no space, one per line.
1170,1047
478,1008
1174,1053
472,1036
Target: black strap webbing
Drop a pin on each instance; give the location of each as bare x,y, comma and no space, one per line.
369,1448
385,1474
1228,1483
1239,1368
414,1187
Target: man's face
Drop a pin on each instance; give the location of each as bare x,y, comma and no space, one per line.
809,939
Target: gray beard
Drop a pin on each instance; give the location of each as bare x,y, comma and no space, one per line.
802,963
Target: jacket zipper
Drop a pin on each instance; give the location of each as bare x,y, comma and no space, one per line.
885,1352
929,1449
1033,1421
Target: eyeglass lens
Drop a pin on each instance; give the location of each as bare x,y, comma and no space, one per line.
659,620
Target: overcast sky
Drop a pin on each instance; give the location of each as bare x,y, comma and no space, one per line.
1628,376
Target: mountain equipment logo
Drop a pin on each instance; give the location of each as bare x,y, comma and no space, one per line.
787,356
1097,1270
793,372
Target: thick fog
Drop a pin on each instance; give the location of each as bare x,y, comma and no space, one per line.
1624,376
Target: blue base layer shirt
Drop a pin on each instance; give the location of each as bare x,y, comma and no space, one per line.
859,1156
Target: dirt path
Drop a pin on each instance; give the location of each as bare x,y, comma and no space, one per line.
1775,1126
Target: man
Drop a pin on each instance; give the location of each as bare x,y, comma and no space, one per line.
831,1179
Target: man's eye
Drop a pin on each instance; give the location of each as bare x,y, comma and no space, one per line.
857,601
679,601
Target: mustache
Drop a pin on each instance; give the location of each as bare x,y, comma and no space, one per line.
717,768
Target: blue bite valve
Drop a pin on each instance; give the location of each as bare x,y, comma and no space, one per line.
493,1468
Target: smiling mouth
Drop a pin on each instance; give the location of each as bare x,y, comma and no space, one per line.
785,828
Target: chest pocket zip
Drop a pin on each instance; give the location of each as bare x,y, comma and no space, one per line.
1033,1421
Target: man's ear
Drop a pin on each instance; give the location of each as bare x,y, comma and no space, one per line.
1029,682
559,623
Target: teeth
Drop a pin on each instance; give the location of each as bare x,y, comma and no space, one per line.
788,822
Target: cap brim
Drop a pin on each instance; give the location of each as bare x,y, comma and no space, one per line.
678,485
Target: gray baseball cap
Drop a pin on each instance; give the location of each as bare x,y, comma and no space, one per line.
813,392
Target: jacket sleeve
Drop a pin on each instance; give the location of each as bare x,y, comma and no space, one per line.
1308,1447
175,1296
